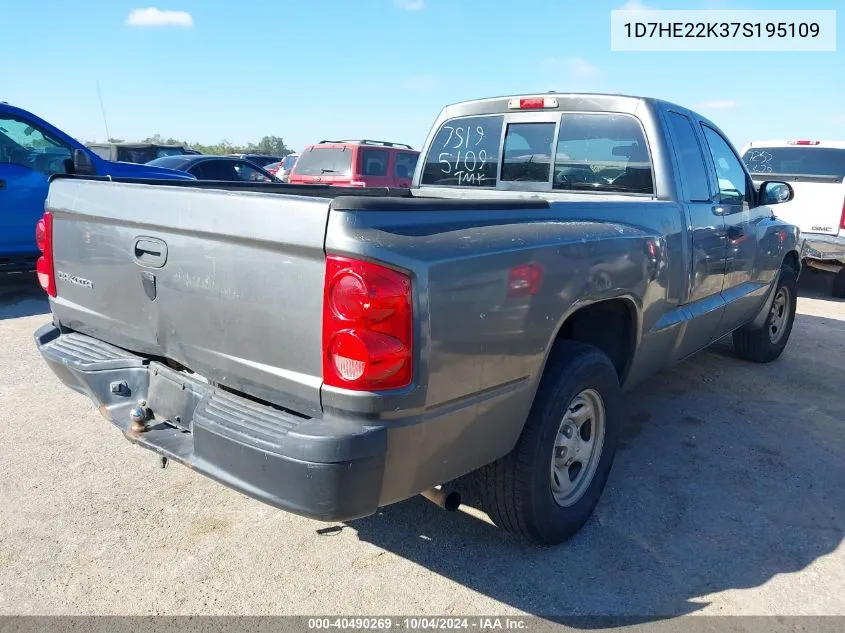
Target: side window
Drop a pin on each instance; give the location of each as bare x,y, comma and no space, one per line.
247,172
23,144
690,159
527,154
373,162
405,165
733,185
465,152
215,170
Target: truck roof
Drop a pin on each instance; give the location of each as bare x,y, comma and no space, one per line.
574,101
600,99
132,145
793,143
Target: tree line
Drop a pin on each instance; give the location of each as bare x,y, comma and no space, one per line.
272,145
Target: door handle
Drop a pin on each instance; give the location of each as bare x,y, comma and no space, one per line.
150,251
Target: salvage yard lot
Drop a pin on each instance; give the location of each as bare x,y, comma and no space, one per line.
727,497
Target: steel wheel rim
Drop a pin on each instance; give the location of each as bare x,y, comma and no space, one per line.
578,447
778,315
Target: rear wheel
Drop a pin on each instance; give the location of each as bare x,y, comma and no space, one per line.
547,487
839,284
765,344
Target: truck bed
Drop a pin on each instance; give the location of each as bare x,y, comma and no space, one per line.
228,286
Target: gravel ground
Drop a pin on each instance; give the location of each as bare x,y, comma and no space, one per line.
726,498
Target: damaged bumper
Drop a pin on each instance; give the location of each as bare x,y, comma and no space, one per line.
827,249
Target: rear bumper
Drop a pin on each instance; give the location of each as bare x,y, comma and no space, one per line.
824,248
326,469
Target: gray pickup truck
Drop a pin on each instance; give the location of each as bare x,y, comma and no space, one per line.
330,351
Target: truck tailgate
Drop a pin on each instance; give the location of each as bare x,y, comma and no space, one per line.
228,286
817,205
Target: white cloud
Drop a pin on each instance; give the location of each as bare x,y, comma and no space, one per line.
409,5
718,104
157,17
634,5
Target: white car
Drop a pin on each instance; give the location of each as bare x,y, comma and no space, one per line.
287,165
816,171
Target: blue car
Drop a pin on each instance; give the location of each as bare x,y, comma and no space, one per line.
32,150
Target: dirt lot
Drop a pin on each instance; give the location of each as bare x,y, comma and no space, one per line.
726,498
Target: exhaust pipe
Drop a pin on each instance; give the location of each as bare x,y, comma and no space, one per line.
446,498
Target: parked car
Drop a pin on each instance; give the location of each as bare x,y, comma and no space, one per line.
273,168
326,349
283,173
258,159
205,167
816,170
362,163
32,150
140,153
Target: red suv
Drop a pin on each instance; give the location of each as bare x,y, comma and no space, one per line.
362,163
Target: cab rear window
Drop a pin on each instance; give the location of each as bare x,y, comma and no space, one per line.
798,160
577,152
465,153
325,161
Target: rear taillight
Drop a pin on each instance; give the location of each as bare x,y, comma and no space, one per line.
367,326
842,218
524,280
803,142
44,241
532,103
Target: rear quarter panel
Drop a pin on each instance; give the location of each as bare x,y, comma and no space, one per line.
479,352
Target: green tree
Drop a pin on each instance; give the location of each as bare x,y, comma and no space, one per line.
274,145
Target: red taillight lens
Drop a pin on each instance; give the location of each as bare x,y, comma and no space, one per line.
367,326
842,218
44,265
803,142
524,280
41,234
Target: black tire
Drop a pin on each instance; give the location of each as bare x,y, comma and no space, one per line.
839,285
757,344
516,491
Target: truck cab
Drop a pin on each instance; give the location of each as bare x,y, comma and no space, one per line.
31,152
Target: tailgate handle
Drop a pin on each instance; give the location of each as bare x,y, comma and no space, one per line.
150,251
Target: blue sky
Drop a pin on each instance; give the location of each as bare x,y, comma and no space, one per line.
379,68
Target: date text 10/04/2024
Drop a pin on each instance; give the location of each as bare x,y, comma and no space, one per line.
462,157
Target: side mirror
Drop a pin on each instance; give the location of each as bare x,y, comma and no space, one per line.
82,163
775,192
